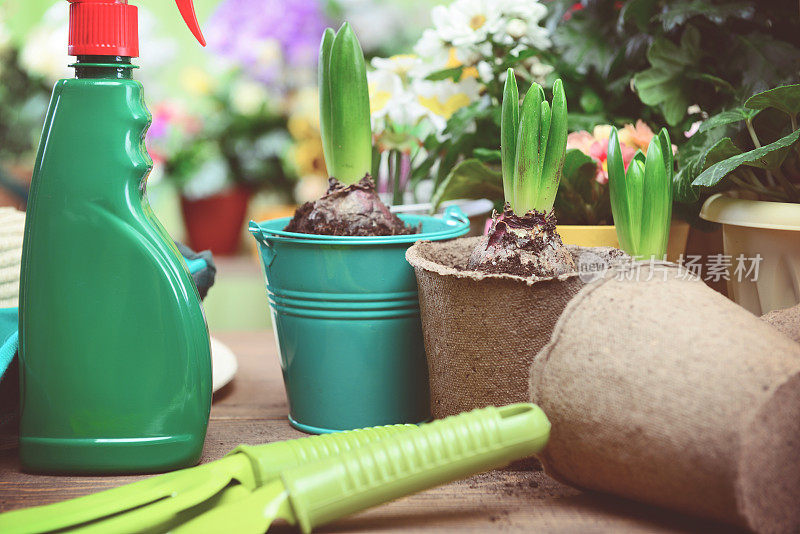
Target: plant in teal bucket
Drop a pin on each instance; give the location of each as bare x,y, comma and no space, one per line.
641,198
533,141
342,298
351,205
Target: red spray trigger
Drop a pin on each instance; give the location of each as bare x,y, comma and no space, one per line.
186,7
111,27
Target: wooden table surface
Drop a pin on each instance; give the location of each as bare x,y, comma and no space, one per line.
252,409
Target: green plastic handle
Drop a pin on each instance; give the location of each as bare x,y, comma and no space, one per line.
270,459
414,460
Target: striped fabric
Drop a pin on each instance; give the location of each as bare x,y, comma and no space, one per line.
12,226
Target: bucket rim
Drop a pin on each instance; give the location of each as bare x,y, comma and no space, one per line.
458,225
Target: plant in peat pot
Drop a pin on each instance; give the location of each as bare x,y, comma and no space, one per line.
641,198
351,206
523,239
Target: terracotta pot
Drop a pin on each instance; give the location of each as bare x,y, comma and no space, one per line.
215,223
606,236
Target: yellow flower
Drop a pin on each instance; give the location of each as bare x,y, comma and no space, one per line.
444,107
638,136
602,132
453,62
309,158
302,127
196,81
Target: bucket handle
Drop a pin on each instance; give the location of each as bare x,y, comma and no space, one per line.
453,215
267,250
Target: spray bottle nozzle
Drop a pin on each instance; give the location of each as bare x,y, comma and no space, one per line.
111,27
186,7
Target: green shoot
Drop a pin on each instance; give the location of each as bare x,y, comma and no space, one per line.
344,106
641,199
533,145
509,126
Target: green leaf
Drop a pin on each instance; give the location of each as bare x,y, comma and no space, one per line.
677,13
351,133
488,155
454,74
634,191
765,62
683,190
656,203
527,176
323,78
509,129
545,115
638,11
785,98
728,117
664,83
514,59
585,48
470,179
556,147
666,149
617,189
717,172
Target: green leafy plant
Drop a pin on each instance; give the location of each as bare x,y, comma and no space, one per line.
641,198
533,144
753,148
344,106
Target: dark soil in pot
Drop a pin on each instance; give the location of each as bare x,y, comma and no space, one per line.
348,210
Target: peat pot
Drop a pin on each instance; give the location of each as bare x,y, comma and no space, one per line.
758,229
347,322
482,330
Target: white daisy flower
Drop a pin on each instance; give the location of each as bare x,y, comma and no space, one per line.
521,23
433,49
441,99
539,71
466,22
391,100
403,65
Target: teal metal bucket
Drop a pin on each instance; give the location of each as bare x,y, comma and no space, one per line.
346,320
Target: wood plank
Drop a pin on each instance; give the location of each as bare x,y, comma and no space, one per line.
253,410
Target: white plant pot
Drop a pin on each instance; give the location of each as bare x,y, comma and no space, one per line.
768,229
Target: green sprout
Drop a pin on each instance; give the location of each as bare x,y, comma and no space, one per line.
641,199
533,144
344,106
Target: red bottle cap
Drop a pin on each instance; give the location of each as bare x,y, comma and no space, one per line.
111,27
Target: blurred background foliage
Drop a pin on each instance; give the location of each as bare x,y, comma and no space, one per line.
242,112
242,116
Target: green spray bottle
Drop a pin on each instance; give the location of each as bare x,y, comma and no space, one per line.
115,362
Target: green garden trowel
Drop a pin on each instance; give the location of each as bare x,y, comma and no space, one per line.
309,481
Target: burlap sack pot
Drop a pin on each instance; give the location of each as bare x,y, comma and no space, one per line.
786,320
481,331
668,393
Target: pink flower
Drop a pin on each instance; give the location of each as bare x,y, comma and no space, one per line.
595,145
